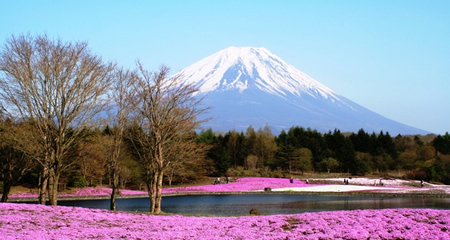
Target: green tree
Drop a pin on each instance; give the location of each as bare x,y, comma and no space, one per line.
300,138
234,146
418,141
304,157
407,159
404,143
361,141
250,141
285,157
265,146
217,152
386,144
442,143
251,162
341,148
329,163
438,171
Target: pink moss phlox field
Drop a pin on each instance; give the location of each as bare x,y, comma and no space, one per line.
30,221
81,192
242,185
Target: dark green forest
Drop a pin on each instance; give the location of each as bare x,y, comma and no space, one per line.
300,150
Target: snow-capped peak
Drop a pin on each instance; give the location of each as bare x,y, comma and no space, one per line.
243,68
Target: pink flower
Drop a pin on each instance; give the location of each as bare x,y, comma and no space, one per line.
29,221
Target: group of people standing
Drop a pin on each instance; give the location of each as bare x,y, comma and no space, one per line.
217,180
291,180
345,181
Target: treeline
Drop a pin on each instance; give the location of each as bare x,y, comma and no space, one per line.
87,163
249,153
299,150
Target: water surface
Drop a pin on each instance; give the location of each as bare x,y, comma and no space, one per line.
267,204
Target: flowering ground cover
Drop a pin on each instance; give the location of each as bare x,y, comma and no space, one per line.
255,184
82,192
242,185
30,221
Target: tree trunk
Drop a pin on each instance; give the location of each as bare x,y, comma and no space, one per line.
158,196
171,176
6,189
43,181
53,187
115,190
151,195
112,205
151,186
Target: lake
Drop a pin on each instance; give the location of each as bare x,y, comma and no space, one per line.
267,204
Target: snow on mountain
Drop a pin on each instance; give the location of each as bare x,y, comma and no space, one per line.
233,67
252,86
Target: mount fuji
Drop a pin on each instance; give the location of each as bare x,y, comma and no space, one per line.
251,86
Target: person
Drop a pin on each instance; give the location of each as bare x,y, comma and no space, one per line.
307,181
346,181
291,180
228,179
421,183
216,181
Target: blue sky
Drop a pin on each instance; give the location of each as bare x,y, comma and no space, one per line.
390,56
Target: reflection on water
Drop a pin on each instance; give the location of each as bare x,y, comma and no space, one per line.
266,204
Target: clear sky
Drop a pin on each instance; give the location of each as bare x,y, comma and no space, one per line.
390,56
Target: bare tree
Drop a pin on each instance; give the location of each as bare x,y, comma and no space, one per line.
119,118
139,142
58,87
166,110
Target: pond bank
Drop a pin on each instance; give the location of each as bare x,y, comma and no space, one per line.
423,194
248,185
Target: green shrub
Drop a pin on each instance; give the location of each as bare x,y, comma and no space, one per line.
79,181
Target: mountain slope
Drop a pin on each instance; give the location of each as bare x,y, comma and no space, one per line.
251,86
